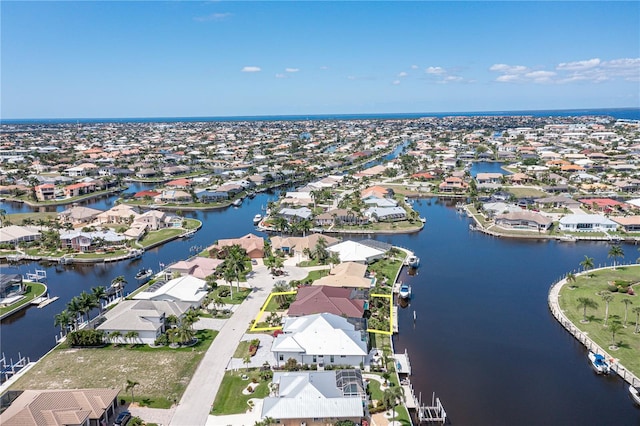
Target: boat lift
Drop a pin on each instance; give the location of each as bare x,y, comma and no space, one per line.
433,413
38,276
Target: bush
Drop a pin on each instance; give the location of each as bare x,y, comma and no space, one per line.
223,292
86,338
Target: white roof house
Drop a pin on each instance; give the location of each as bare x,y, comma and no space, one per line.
308,395
351,251
183,289
15,233
320,339
586,223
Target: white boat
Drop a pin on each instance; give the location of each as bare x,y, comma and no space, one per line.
189,234
257,218
405,291
599,363
143,274
412,261
635,393
237,202
423,220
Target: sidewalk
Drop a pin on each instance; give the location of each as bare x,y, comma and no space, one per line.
197,400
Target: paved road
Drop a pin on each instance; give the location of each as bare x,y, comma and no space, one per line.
197,400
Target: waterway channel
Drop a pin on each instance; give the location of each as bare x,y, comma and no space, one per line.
483,339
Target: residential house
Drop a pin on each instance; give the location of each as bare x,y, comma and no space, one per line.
186,289
316,398
453,185
345,302
13,234
347,275
199,267
45,192
525,220
489,178
253,245
340,217
78,189
299,244
118,214
586,223
11,285
603,205
77,407
88,241
79,215
558,202
322,339
295,215
351,251
386,214
628,223
154,220
173,196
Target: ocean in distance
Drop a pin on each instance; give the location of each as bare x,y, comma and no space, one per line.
617,113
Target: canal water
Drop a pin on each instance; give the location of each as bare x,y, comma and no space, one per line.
483,338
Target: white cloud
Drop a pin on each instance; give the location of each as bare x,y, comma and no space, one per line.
251,69
395,82
508,78
403,74
579,65
414,67
435,70
281,76
324,67
540,76
508,69
213,17
292,69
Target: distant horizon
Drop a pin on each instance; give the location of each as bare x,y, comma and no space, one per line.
310,115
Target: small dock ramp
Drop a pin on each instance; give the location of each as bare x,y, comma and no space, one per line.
402,364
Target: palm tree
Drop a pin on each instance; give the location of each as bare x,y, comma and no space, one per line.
190,317
247,360
636,311
584,303
587,263
228,274
571,277
626,302
3,216
607,297
305,226
130,385
131,336
236,259
320,250
74,308
614,328
88,302
615,251
100,294
118,283
114,337
183,334
63,319
390,399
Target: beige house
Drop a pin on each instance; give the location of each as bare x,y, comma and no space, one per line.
79,215
82,407
347,275
299,244
121,213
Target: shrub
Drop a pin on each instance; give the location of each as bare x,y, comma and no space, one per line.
223,292
86,338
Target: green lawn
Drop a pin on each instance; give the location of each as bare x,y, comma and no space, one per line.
238,297
316,275
520,192
386,268
154,237
33,290
191,223
230,399
242,349
586,286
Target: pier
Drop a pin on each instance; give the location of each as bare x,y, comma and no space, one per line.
9,368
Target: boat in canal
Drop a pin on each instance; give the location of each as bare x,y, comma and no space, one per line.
634,391
599,364
237,202
412,261
257,218
144,274
405,291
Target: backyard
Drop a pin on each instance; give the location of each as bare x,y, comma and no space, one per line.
231,400
588,285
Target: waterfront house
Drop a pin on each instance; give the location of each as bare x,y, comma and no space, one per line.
89,241
45,192
77,189
295,215
11,285
81,407
586,223
118,214
557,202
186,289
156,219
207,196
299,244
452,185
351,251
145,317
315,398
603,205
347,275
173,196
252,244
386,214
340,217
79,215
146,173
13,234
345,302
322,339
628,223
525,220
199,267
493,209
380,202
489,178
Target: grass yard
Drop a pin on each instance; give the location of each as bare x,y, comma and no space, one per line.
520,192
238,296
230,399
162,373
586,286
386,268
316,275
17,218
154,237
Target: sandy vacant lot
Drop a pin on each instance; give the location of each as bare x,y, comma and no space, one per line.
162,373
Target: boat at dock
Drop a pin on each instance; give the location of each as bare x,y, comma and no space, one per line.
599,364
257,218
405,291
423,220
188,234
412,261
634,391
144,274
237,202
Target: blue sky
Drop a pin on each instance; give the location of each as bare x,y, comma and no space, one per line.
209,58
